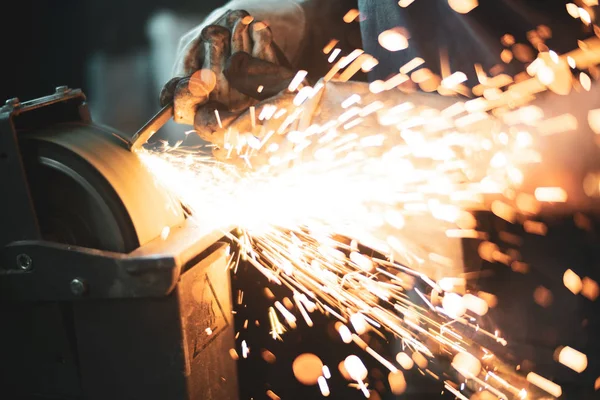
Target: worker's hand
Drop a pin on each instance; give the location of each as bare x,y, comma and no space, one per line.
204,96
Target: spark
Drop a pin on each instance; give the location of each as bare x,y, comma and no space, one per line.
405,3
411,65
329,46
164,234
550,194
218,116
329,217
351,15
323,386
572,281
544,384
336,52
463,6
277,329
393,39
573,359
297,80
245,349
453,80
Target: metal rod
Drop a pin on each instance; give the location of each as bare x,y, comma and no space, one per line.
150,128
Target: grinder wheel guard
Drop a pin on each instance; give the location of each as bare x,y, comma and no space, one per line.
89,190
106,288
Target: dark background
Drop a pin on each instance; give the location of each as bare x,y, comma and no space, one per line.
102,47
49,42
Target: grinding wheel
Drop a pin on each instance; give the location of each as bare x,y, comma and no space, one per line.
90,190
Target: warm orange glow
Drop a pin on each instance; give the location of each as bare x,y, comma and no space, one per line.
393,39
467,364
463,6
307,368
397,382
544,384
551,194
573,359
351,15
542,296
590,289
572,281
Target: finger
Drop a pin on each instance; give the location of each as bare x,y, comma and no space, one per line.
216,41
246,74
229,19
262,38
192,92
211,121
240,35
194,56
168,91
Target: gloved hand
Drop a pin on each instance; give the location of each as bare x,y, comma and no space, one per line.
237,47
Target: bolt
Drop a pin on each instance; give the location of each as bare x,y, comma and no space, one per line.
13,102
78,286
62,89
24,262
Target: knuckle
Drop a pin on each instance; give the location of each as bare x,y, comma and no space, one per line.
212,32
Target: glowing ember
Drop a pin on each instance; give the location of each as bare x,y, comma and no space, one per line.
351,15
404,360
164,234
397,382
542,296
405,3
572,281
573,10
295,83
590,289
467,364
323,386
202,82
544,384
475,304
572,358
420,360
586,82
393,39
357,371
551,194
594,120
307,368
463,6
326,210
268,356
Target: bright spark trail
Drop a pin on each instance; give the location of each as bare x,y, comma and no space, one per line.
343,211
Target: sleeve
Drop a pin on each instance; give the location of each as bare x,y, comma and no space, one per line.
286,19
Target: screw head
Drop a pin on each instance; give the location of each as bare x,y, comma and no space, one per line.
78,286
62,89
13,102
24,262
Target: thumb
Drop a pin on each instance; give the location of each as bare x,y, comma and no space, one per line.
168,91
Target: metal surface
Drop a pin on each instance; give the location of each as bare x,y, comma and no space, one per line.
106,182
24,262
158,348
103,306
152,270
78,286
150,128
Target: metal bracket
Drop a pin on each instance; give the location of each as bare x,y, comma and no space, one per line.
18,218
40,270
